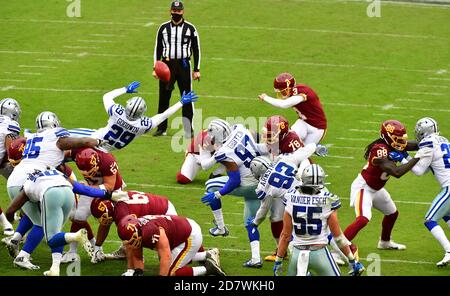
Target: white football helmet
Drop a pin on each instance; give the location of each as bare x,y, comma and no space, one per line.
259,166
47,120
135,108
219,131
313,176
10,107
425,127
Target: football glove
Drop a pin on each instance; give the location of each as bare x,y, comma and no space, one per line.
357,268
278,267
398,156
190,97
321,150
131,88
209,197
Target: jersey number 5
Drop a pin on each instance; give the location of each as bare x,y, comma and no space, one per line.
311,225
32,148
445,147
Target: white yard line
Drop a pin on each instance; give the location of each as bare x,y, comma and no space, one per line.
363,130
82,47
438,78
354,139
37,66
393,115
24,73
12,80
105,35
370,122
346,147
426,93
94,41
413,100
340,156
5,88
54,60
429,85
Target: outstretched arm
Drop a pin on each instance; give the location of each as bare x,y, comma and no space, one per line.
108,98
287,103
67,143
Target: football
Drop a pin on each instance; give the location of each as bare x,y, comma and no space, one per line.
162,71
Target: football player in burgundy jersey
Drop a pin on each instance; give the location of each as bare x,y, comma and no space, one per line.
368,190
278,137
99,170
312,123
178,241
198,157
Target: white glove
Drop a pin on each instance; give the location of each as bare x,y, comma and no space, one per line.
98,256
119,195
129,272
424,152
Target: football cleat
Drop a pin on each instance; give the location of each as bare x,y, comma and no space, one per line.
8,231
444,261
52,272
98,256
82,238
12,246
214,254
70,257
216,231
212,268
118,254
251,264
390,245
25,263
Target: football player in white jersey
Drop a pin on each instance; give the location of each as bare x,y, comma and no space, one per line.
309,215
53,195
273,184
235,148
438,162
43,149
125,124
9,130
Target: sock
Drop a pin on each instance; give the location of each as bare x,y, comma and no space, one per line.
200,256
218,216
56,260
254,246
4,222
276,228
58,240
93,241
97,248
447,220
33,239
185,271
438,234
71,237
352,230
387,225
58,249
198,270
24,226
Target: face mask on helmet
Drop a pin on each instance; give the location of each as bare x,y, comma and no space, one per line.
103,210
283,85
219,131
394,134
313,176
425,127
274,129
10,107
135,108
129,231
47,120
88,162
259,165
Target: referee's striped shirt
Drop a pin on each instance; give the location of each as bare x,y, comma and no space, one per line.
178,42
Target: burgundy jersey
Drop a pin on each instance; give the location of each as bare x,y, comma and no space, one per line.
140,204
311,109
372,174
202,139
177,230
289,143
108,167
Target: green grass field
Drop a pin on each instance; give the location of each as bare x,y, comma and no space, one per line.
365,70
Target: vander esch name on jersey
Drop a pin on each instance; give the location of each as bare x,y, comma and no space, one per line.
311,200
126,125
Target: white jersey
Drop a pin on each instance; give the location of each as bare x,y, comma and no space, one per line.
120,131
37,184
280,176
7,126
40,154
240,148
439,162
310,215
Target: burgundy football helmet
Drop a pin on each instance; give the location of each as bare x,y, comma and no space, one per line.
88,162
283,84
129,230
103,210
275,128
15,150
393,132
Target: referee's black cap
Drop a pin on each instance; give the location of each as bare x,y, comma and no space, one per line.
177,5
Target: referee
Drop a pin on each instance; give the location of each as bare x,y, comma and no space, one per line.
176,41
